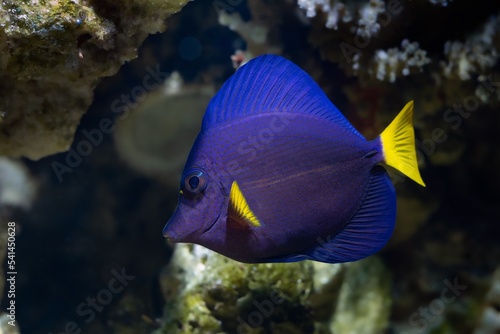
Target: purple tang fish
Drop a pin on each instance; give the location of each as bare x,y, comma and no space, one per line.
278,174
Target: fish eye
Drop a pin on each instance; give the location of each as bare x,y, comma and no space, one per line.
195,181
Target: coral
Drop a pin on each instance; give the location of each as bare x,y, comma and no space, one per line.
208,293
476,55
368,24
52,54
393,63
383,65
353,47
335,11
367,14
155,138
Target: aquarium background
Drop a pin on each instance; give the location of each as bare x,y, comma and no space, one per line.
89,251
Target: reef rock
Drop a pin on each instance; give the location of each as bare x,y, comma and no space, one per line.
208,293
52,54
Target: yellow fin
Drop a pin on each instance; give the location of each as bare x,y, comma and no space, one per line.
239,211
398,144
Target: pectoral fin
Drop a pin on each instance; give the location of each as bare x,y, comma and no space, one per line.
239,213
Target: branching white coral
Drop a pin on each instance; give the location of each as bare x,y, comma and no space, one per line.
396,62
477,54
368,16
336,11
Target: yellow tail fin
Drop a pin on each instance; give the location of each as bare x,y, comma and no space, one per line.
398,144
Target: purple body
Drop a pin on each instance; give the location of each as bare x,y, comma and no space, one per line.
305,176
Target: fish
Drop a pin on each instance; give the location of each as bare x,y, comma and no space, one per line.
278,174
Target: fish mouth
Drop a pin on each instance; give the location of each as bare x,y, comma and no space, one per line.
166,234
211,225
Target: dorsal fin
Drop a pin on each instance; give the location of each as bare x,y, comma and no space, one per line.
270,84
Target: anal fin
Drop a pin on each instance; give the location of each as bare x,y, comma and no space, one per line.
369,229
365,234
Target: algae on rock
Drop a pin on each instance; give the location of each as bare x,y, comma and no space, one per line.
208,293
52,54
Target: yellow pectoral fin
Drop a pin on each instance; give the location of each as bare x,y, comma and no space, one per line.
239,211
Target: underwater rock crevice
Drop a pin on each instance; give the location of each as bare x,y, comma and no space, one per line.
52,54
